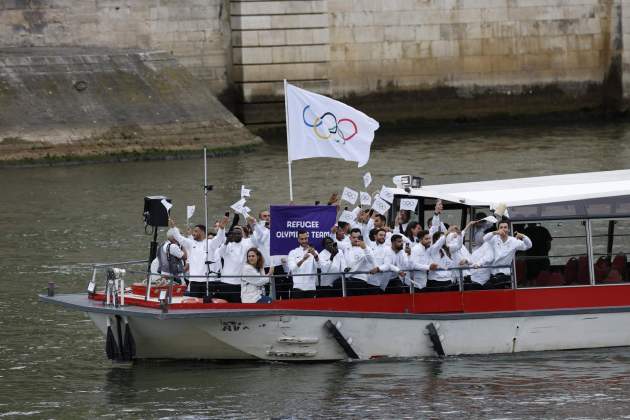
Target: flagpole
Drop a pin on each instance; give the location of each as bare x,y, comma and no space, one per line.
286,112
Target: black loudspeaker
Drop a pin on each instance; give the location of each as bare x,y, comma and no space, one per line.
155,213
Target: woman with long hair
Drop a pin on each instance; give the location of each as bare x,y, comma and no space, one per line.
252,288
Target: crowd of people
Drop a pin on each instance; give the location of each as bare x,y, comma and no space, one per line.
368,255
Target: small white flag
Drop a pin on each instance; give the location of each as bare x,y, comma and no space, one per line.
366,199
490,219
346,217
386,194
356,211
380,206
408,204
166,204
190,210
238,206
244,191
367,179
349,195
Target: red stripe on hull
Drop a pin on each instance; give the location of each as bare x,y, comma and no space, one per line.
439,302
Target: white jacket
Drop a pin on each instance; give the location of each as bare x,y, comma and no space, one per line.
252,287
308,281
196,251
234,255
504,251
336,265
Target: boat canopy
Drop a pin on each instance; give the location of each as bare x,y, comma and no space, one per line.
529,191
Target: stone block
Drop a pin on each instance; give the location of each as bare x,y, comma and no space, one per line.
476,64
400,33
415,50
532,62
321,36
553,44
470,47
444,48
504,63
251,22
338,6
245,39
528,45
296,54
371,5
392,50
454,31
352,19
277,7
397,67
369,34
299,21
263,72
341,35
483,4
387,18
252,55
272,38
427,32
498,46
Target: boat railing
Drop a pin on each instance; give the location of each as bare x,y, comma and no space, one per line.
115,283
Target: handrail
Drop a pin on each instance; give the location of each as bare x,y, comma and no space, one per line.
99,265
339,273
168,299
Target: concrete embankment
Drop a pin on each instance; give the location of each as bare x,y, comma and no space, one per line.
60,104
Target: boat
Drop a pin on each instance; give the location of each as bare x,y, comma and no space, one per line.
575,295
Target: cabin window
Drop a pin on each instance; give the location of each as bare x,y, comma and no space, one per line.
558,256
611,244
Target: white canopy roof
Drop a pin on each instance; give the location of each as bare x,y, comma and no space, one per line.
535,190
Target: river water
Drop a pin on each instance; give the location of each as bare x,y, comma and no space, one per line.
53,219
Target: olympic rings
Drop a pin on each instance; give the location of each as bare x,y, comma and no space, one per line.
327,126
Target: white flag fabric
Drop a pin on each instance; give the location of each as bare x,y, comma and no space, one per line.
346,217
366,199
408,204
380,206
190,210
367,179
322,127
244,191
490,219
166,204
349,195
386,194
238,207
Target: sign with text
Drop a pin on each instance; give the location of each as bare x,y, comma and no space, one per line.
286,221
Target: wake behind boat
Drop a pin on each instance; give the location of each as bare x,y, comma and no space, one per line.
568,289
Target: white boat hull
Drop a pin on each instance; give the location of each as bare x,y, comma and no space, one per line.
304,337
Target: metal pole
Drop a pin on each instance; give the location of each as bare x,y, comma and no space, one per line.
461,280
205,208
148,293
272,285
589,247
286,111
343,285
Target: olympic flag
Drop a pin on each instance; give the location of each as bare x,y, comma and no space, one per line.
318,126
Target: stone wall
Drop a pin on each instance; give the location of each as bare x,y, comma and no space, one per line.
196,32
82,103
434,58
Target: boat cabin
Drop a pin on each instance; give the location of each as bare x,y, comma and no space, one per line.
579,224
